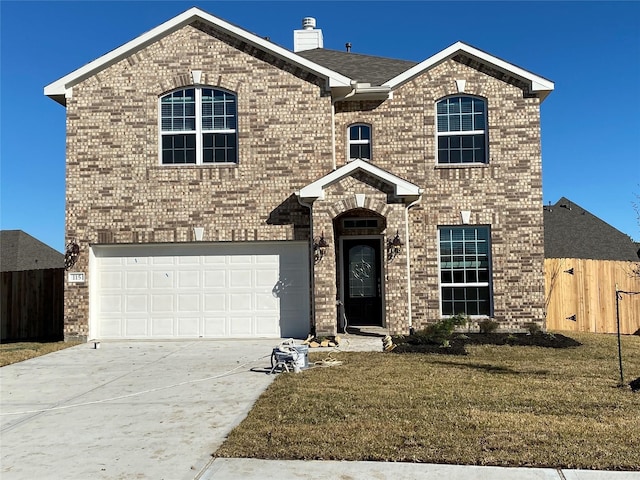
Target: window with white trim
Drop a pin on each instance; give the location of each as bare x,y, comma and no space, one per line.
198,126
465,283
360,141
462,130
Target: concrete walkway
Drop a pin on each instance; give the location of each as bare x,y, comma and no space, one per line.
250,469
158,410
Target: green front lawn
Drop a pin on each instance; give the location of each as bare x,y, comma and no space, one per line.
498,405
19,351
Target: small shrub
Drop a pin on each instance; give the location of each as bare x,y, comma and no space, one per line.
488,326
440,332
534,328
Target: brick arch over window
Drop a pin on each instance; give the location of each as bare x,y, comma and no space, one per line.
348,204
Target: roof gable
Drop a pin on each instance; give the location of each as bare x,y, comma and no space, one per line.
572,232
61,88
20,251
507,71
401,187
362,74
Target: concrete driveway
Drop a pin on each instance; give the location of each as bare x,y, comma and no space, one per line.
127,410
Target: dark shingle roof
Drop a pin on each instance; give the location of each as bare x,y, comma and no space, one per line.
572,232
20,251
363,68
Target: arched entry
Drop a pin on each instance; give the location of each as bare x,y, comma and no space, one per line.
360,268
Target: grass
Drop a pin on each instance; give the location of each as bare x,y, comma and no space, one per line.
20,351
498,405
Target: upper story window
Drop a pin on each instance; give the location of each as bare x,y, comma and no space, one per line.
198,125
462,130
360,142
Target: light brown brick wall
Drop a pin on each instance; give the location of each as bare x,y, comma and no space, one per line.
117,191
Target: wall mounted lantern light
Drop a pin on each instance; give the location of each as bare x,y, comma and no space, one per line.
319,248
394,246
71,254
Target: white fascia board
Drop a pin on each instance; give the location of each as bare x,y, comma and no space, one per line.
538,84
61,87
315,189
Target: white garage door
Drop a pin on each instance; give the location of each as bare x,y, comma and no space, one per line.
218,290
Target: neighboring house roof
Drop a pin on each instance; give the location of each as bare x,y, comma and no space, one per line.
362,74
20,251
572,232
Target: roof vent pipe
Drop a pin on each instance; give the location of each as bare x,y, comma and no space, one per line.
308,23
348,46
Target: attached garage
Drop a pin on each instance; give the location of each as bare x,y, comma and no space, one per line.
203,290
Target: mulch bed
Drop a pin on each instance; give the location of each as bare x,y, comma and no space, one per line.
459,341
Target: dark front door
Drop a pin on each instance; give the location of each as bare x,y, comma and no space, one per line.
361,273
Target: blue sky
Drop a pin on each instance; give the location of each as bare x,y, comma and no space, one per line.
591,50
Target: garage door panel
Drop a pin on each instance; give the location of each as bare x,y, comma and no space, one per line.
266,278
137,261
188,260
188,326
136,304
110,328
189,303
240,326
266,324
201,290
162,279
136,280
240,259
241,278
215,326
239,302
215,302
136,327
162,327
266,301
163,260
111,303
189,279
162,303
110,280
215,279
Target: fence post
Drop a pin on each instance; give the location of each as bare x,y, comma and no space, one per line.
621,384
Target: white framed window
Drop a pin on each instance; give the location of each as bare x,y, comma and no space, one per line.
198,126
462,130
465,270
359,136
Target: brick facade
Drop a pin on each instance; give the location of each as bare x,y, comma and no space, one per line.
117,191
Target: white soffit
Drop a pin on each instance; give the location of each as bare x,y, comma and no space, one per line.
315,190
59,89
537,83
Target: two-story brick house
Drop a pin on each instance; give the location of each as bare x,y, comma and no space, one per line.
219,185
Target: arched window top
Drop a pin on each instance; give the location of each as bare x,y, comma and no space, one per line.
198,125
359,140
462,129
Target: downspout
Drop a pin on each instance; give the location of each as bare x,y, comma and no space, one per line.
408,252
312,272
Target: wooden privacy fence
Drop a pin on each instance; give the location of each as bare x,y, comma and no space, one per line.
581,295
32,305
